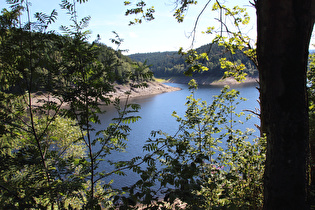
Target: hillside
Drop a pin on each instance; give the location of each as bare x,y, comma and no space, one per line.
122,68
172,65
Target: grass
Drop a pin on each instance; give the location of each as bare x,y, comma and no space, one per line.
160,80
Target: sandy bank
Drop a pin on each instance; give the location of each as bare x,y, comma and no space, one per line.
212,81
152,89
120,92
232,81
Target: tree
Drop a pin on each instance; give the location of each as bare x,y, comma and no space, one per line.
208,163
284,30
40,159
51,155
311,99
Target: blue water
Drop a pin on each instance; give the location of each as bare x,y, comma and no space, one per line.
156,113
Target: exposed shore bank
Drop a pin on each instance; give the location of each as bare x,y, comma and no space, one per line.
211,81
152,89
232,81
120,92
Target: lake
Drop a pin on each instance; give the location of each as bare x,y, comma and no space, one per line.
156,113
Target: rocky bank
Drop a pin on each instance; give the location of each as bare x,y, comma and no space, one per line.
213,81
232,81
152,89
120,92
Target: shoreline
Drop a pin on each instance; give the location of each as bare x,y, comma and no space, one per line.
210,81
153,88
232,81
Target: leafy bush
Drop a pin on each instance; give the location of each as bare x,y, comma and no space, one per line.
209,162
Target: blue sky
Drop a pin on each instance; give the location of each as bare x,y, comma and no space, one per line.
161,34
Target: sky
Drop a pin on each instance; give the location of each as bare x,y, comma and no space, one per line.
161,34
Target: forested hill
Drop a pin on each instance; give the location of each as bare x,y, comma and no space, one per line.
56,53
120,66
171,64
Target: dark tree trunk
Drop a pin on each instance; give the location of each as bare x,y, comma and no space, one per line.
284,30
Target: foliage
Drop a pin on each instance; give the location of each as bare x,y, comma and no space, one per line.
209,162
25,182
311,100
146,15
272,14
310,77
233,55
29,178
235,40
52,155
173,64
52,89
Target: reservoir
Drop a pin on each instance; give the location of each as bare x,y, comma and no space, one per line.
156,111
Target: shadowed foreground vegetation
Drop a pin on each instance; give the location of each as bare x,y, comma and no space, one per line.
52,157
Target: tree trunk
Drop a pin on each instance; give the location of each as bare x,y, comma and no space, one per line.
284,31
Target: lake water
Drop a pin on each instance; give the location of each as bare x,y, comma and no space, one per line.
156,113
